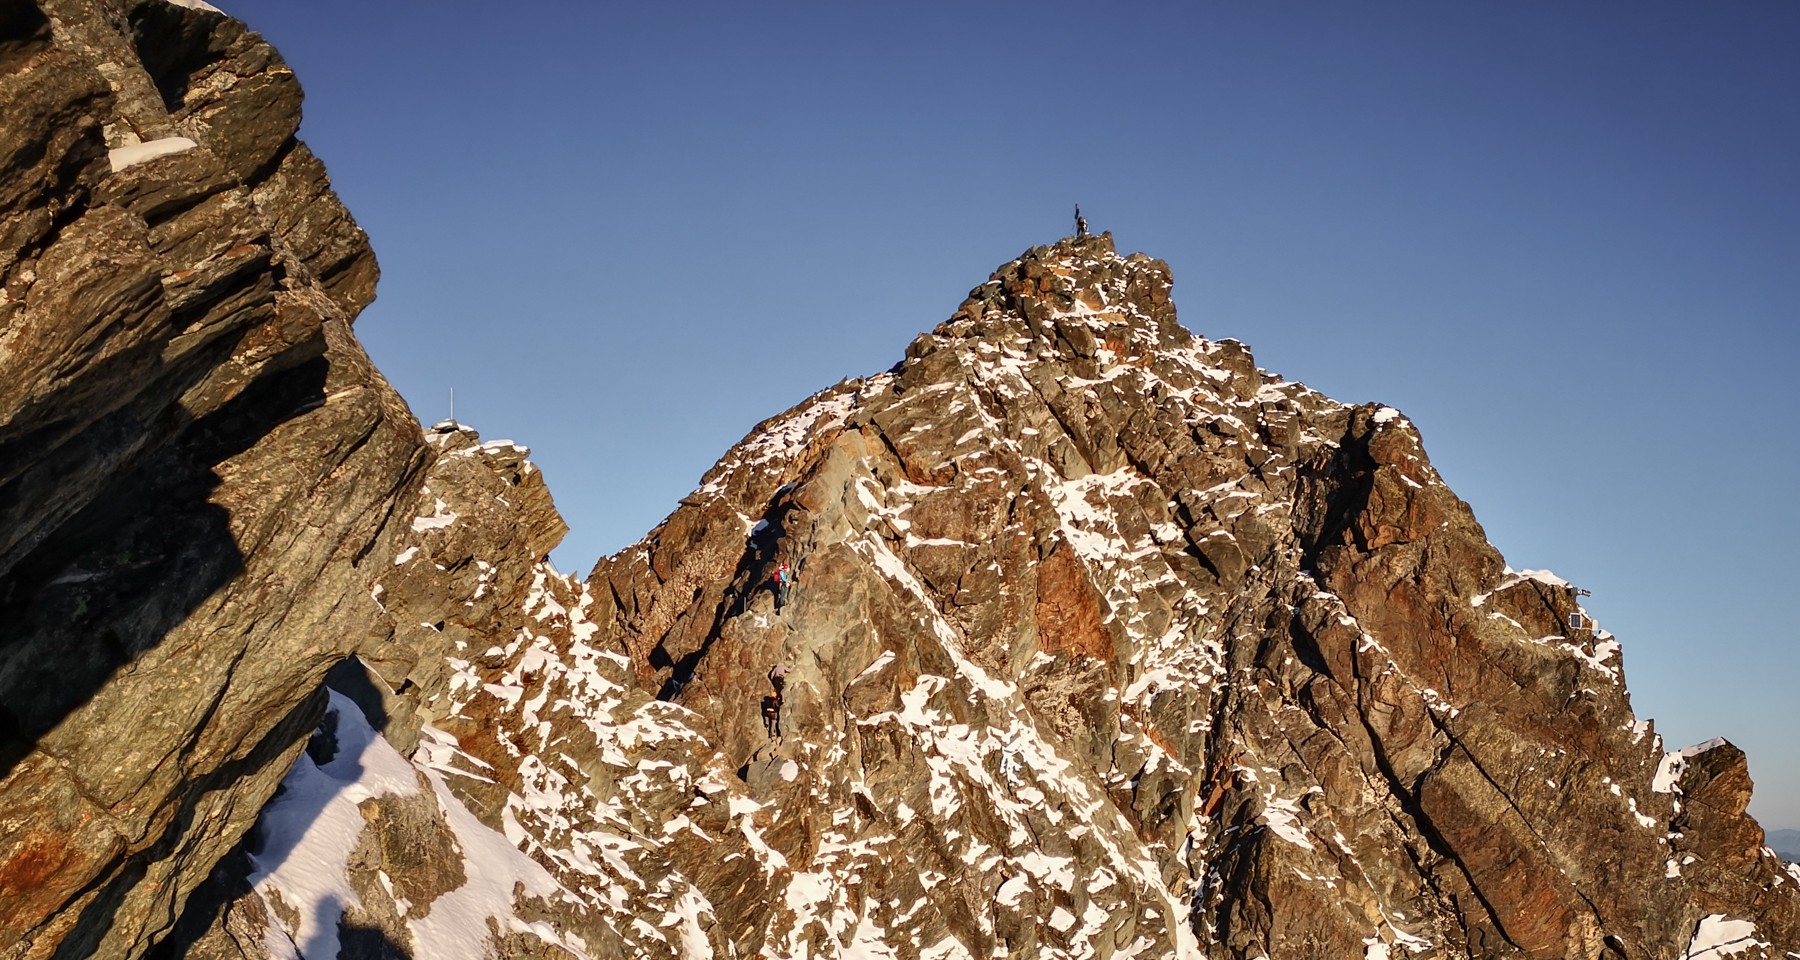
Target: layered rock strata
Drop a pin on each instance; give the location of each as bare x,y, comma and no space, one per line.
196,458
1105,638
1105,642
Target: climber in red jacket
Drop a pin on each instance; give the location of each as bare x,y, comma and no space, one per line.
783,581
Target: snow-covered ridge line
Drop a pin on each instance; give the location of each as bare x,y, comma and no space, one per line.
307,835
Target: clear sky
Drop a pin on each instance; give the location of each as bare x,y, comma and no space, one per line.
1564,238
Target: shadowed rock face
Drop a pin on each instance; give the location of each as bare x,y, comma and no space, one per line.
1105,643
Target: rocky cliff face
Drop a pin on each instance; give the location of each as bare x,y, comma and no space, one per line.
196,458
1105,642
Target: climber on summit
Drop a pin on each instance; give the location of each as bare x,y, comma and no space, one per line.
1080,223
783,581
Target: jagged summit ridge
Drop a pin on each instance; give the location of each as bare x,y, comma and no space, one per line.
1076,302
1253,618
1076,276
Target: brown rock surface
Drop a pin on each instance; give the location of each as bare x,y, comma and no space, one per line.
1105,642
1068,559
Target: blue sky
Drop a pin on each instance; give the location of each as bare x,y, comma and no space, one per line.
1564,238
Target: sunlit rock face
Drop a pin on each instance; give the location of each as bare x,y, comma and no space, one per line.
1104,643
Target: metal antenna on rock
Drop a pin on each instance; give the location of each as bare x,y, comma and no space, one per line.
1579,621
452,404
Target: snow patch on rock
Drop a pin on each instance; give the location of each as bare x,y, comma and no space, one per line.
123,158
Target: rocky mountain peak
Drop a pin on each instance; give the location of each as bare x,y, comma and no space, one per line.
1077,299
1075,558
1101,642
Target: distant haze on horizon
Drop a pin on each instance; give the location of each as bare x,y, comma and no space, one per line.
1564,240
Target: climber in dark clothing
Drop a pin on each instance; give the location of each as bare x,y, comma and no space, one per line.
1080,222
771,711
771,705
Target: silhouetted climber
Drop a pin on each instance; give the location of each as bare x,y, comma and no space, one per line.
1080,223
771,704
771,709
783,581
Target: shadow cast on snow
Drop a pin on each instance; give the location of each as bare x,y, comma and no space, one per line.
230,883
